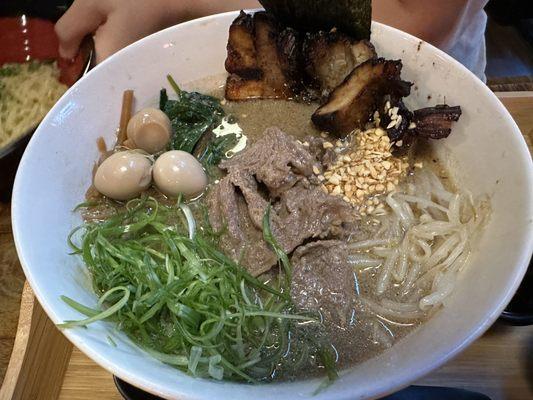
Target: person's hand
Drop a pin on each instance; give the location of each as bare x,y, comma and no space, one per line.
117,23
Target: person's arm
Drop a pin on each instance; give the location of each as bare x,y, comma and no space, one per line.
117,23
431,21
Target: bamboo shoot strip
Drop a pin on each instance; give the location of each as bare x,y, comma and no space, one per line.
125,115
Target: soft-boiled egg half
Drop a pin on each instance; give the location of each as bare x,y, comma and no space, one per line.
178,172
124,175
149,130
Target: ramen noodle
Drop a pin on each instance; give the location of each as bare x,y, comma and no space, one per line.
27,92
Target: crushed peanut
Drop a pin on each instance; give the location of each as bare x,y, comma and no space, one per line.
365,172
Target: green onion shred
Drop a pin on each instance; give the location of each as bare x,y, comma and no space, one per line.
166,284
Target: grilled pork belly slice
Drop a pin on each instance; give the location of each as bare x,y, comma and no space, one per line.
242,57
435,122
351,105
254,61
331,56
238,88
269,61
289,45
405,127
395,118
268,58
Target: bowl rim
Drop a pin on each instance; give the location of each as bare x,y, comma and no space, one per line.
139,381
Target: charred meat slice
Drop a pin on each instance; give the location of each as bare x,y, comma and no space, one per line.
328,59
395,118
238,88
351,104
331,56
242,57
266,32
363,50
435,122
256,66
266,60
430,123
289,46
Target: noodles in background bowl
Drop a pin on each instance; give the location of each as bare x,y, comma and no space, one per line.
27,92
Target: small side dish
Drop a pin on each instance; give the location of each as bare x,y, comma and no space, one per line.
27,92
32,76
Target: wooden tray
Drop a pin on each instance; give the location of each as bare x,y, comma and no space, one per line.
43,364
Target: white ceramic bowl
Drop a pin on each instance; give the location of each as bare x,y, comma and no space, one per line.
488,149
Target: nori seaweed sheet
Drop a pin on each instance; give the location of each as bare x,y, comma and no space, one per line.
352,17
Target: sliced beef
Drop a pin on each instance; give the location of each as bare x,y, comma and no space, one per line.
224,209
249,189
241,240
275,170
323,280
305,206
314,213
276,160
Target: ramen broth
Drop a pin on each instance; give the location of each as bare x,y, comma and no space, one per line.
368,332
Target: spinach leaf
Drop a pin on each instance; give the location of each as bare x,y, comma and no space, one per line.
215,149
191,115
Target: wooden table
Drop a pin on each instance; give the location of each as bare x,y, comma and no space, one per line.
499,364
11,282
